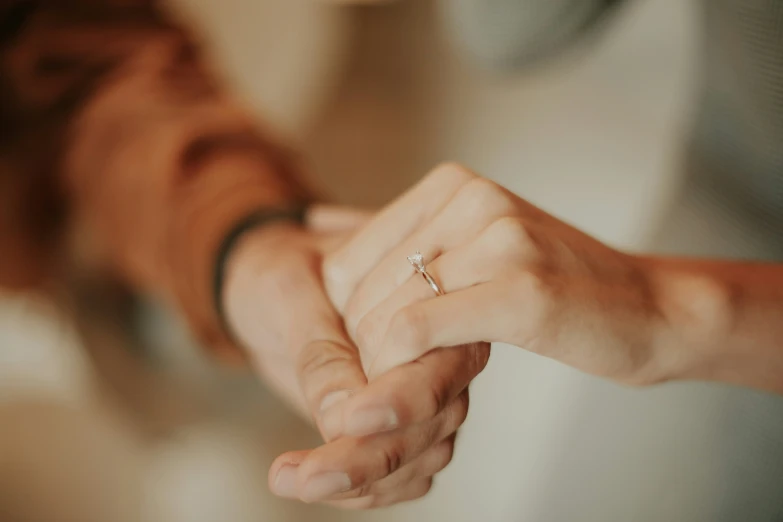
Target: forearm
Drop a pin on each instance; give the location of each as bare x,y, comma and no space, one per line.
151,154
721,321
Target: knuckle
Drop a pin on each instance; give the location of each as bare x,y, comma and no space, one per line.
516,240
423,489
318,356
408,329
437,399
456,412
442,455
450,174
483,197
363,491
510,231
461,408
453,415
483,187
391,459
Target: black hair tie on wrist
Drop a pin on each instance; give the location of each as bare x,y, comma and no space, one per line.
251,222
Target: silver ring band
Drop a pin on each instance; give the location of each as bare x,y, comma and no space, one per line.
417,260
430,281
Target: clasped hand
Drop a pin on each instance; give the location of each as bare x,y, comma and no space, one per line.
337,321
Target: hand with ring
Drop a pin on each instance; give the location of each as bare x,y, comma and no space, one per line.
430,402
489,266
509,272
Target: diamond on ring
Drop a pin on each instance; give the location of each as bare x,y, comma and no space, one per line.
417,260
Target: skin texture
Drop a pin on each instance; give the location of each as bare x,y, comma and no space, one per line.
513,274
298,343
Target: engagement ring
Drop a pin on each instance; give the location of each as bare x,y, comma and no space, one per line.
417,260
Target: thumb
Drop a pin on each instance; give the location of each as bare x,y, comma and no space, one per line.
277,306
327,363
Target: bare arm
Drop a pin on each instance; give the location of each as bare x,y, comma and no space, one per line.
724,321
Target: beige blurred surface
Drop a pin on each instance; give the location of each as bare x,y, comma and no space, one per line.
283,57
376,96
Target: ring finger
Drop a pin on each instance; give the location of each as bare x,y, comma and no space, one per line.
474,207
475,263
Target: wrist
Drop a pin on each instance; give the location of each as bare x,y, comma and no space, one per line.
249,251
695,314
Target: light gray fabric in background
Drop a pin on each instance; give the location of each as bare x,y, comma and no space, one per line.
739,132
509,33
732,206
738,136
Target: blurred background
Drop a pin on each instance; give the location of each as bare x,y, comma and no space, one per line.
99,425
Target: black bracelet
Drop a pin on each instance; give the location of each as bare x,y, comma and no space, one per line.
256,219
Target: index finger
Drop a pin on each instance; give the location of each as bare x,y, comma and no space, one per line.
352,463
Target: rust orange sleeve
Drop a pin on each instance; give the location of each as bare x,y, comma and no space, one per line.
152,153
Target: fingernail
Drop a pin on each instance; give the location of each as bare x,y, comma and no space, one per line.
333,398
325,485
371,420
285,482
